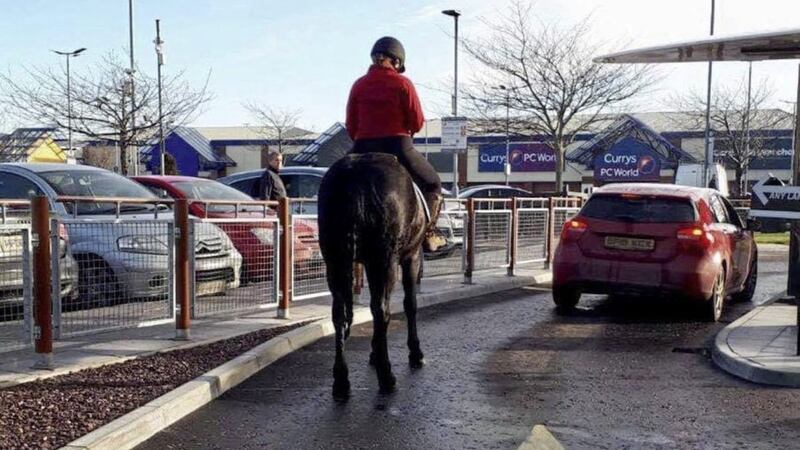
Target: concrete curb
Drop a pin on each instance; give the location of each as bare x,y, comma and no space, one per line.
728,360
540,439
144,422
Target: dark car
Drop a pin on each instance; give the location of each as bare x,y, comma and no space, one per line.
656,239
301,182
493,191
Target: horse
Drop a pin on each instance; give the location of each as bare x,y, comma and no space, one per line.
369,214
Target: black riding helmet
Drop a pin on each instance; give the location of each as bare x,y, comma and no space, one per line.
391,47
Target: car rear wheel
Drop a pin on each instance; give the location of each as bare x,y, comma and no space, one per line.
749,284
712,309
566,298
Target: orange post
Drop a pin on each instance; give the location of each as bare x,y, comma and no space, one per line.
358,278
512,242
285,219
182,291
470,244
42,303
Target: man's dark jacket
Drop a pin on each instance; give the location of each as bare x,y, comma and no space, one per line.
272,187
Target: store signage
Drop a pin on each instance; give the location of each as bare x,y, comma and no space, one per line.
523,157
628,160
454,134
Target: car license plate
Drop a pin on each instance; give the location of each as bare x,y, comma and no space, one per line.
626,243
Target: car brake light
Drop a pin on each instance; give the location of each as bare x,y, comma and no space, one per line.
695,236
573,229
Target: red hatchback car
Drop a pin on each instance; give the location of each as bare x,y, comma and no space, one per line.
255,241
656,239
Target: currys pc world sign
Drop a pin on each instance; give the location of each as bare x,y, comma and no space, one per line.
528,157
628,160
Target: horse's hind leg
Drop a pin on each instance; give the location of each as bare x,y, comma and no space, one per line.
340,282
381,277
411,267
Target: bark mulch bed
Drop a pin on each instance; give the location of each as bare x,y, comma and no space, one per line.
53,412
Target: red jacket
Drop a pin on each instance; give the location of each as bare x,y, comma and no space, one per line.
383,103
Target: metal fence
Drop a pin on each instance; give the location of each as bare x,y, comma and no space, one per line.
15,285
492,233
233,261
122,270
308,268
533,215
449,260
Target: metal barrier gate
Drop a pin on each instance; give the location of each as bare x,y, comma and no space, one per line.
123,264
234,262
492,233
16,296
562,209
533,216
450,261
309,279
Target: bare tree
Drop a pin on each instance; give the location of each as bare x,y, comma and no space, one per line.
731,117
99,156
101,102
279,124
552,86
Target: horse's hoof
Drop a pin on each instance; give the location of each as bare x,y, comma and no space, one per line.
341,391
416,362
387,385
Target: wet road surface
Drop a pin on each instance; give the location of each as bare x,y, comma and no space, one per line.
617,373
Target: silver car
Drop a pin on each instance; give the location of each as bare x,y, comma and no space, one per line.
121,254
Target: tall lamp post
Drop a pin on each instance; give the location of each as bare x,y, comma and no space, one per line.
454,14
160,56
132,73
507,164
69,55
708,149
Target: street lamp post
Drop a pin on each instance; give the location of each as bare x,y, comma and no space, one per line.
455,14
708,150
160,54
507,164
69,55
132,73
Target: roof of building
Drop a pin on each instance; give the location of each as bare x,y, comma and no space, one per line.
16,146
627,126
251,133
198,142
334,142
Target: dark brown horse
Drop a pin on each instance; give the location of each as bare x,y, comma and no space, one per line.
368,213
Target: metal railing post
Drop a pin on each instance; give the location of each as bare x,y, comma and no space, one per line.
182,272
285,218
551,223
512,251
42,282
470,241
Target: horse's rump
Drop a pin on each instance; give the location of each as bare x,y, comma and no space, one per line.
367,198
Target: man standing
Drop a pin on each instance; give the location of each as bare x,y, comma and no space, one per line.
272,187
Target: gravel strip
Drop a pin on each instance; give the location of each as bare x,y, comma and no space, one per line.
53,412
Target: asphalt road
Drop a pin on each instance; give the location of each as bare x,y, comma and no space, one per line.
615,374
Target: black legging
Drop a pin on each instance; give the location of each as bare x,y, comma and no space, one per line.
422,172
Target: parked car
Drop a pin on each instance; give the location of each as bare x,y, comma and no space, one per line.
300,182
304,182
493,191
656,239
121,260
253,240
12,271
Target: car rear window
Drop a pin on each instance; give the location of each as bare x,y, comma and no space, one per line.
639,209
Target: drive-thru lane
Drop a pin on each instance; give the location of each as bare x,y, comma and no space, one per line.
617,373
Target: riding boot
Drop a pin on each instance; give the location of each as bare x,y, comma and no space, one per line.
434,239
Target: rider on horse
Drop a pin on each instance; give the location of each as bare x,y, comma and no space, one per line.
383,112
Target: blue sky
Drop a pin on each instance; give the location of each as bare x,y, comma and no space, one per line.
305,54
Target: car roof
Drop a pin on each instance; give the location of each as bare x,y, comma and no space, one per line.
169,178
488,186
53,167
291,170
671,190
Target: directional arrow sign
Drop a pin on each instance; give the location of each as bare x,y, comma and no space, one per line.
775,201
